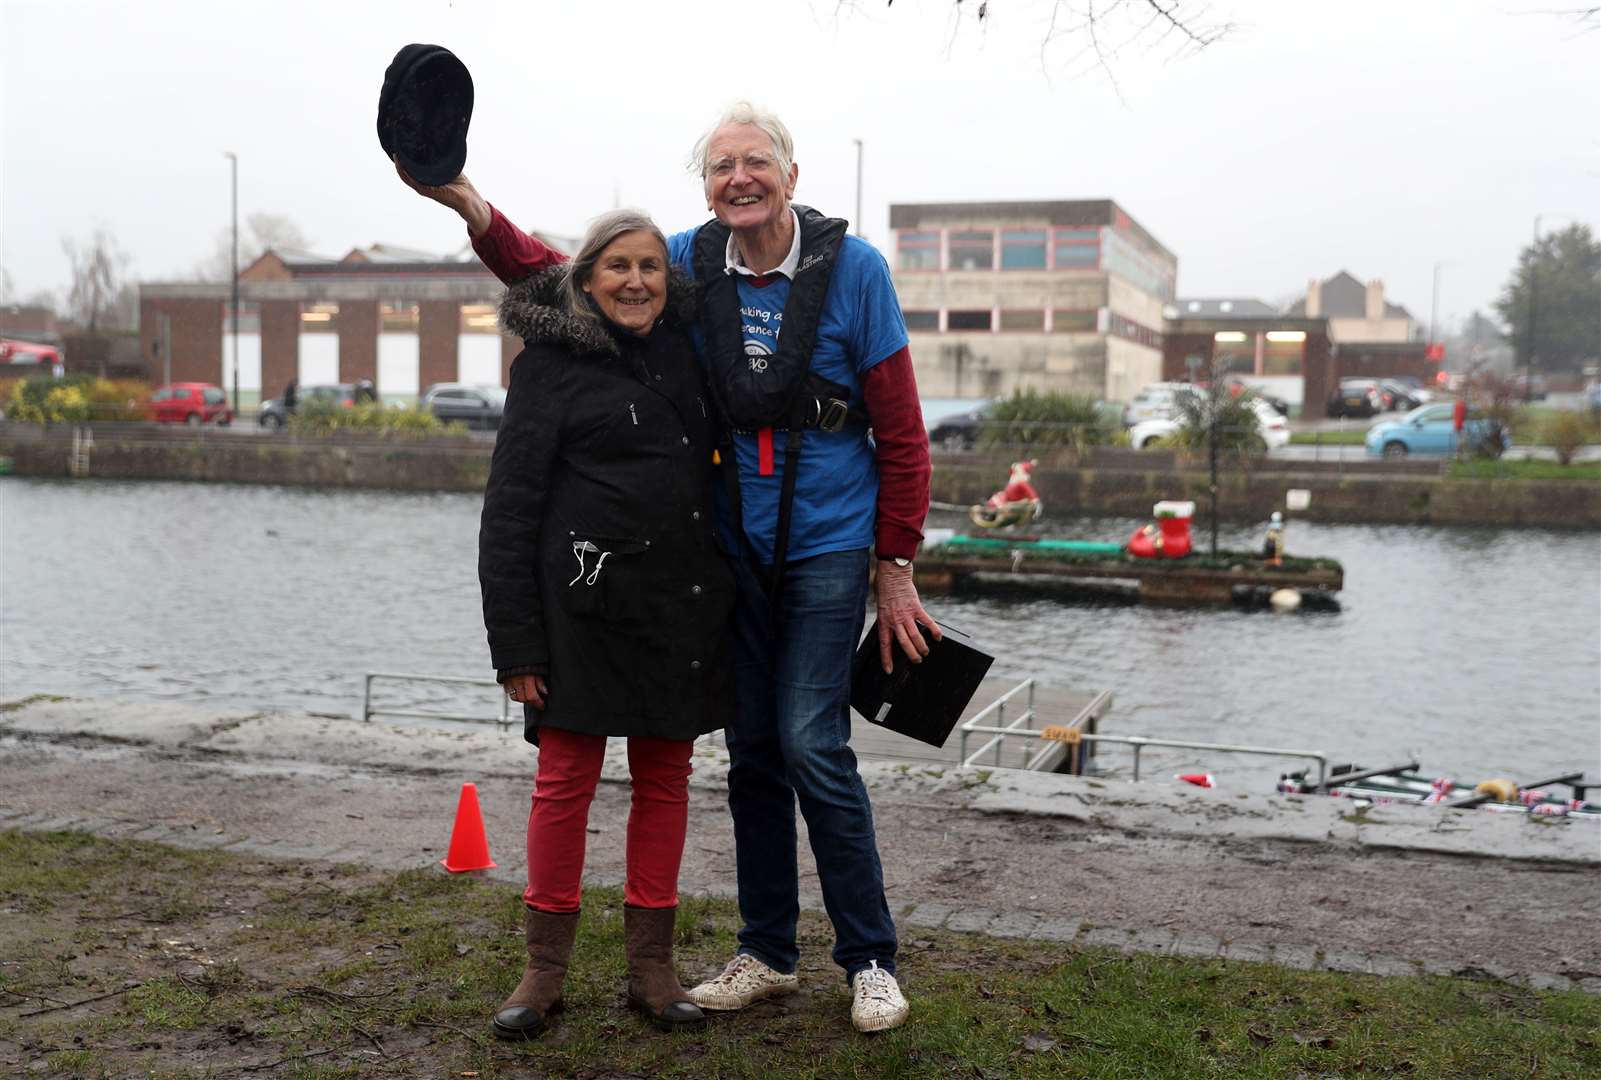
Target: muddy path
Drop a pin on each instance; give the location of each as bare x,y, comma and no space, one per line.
1011,873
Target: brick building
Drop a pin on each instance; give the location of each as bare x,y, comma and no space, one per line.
401,318
1048,295
1292,356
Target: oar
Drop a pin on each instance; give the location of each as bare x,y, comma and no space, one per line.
1365,774
1475,800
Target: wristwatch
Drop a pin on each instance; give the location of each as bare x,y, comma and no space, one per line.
898,561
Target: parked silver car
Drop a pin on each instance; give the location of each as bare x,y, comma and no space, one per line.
476,406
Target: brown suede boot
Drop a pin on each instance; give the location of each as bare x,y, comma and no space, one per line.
653,986
549,937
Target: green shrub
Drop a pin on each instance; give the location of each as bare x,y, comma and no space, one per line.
1032,419
1565,432
1238,427
76,399
322,417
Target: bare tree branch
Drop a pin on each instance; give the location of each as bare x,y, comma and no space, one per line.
1098,32
96,277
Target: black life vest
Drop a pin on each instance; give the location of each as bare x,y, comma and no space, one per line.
758,395
782,393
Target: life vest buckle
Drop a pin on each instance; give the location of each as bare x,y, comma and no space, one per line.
833,414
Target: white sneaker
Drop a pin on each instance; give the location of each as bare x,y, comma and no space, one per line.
878,1004
745,980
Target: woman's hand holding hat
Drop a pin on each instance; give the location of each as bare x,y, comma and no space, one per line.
459,195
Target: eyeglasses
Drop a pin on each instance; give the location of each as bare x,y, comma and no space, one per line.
753,163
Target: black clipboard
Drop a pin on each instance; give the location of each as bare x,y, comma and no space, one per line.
922,701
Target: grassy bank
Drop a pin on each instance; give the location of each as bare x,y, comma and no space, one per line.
1328,438
1588,472
126,957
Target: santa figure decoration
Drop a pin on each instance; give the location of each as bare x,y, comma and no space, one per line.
1014,504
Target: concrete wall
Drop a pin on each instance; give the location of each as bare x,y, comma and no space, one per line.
1111,482
1129,366
986,290
1129,483
1126,300
995,364
1392,330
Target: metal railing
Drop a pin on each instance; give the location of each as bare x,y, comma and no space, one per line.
368,712
998,707
1139,742
1073,734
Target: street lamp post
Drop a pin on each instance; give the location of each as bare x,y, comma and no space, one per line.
858,143
233,314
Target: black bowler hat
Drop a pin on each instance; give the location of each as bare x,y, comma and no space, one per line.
423,112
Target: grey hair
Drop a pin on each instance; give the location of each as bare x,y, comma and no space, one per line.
743,112
597,238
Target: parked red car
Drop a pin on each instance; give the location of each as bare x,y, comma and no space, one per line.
193,403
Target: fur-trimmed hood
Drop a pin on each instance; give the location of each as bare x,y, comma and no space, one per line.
533,309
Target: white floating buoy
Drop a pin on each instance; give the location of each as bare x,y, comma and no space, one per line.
1285,599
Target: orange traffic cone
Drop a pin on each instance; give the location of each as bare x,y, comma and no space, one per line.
1199,779
469,846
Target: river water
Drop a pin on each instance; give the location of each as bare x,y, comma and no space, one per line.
1480,649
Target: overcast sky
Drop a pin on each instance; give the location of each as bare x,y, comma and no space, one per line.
1377,137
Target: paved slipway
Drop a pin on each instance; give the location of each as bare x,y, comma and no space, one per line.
1303,882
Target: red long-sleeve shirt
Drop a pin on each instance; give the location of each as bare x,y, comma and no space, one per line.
889,392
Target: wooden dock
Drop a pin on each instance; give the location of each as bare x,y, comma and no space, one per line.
1196,579
1052,705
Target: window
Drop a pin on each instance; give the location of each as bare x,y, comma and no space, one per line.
319,318
968,320
1282,352
973,250
1073,322
213,397
249,317
1125,327
398,318
162,395
1023,249
478,319
917,251
1077,257
1077,249
921,320
1024,320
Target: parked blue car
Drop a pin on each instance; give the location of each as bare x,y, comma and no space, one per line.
1428,430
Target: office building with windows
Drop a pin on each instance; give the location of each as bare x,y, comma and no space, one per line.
999,296
402,318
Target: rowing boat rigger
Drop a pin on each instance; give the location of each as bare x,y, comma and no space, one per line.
1404,784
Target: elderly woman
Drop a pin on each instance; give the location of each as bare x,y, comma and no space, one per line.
605,598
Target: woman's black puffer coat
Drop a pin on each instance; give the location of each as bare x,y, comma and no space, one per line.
596,553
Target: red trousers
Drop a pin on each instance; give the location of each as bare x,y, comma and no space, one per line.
564,786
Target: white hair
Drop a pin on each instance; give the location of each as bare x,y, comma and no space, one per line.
743,112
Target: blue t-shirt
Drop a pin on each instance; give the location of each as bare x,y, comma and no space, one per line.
836,489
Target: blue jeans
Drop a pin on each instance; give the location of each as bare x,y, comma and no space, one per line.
789,742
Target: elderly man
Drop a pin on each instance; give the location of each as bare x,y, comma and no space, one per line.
809,494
